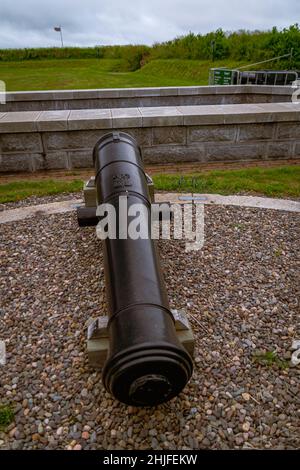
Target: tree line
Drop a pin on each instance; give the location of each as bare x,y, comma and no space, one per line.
239,46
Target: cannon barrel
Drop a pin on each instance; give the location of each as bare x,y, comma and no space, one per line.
146,363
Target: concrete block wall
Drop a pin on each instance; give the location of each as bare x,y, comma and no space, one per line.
41,140
141,97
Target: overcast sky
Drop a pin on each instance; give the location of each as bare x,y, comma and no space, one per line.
29,23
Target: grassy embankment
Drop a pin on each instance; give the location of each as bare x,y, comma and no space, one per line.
103,73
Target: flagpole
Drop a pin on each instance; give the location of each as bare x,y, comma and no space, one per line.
61,37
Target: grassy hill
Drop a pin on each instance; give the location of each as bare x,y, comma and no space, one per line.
185,60
103,73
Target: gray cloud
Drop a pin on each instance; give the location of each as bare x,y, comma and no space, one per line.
29,23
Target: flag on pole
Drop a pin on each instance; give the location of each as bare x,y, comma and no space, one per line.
59,30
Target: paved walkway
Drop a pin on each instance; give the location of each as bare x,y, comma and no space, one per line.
12,215
241,201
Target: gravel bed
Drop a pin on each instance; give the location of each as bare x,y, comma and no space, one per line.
243,290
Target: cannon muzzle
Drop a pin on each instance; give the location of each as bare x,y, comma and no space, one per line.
147,364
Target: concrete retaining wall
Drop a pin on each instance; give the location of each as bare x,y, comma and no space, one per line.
40,140
140,97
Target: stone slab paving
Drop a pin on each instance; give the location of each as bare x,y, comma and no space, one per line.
29,121
147,91
241,201
12,215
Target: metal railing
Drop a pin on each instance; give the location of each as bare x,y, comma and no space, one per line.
223,76
266,77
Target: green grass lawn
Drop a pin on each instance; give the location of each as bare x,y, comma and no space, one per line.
18,190
277,182
273,182
103,73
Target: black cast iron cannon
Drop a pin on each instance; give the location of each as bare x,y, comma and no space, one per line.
146,364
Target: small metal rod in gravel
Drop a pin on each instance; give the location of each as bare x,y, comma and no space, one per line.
254,399
199,323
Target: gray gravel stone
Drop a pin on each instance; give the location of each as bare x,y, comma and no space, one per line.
241,292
